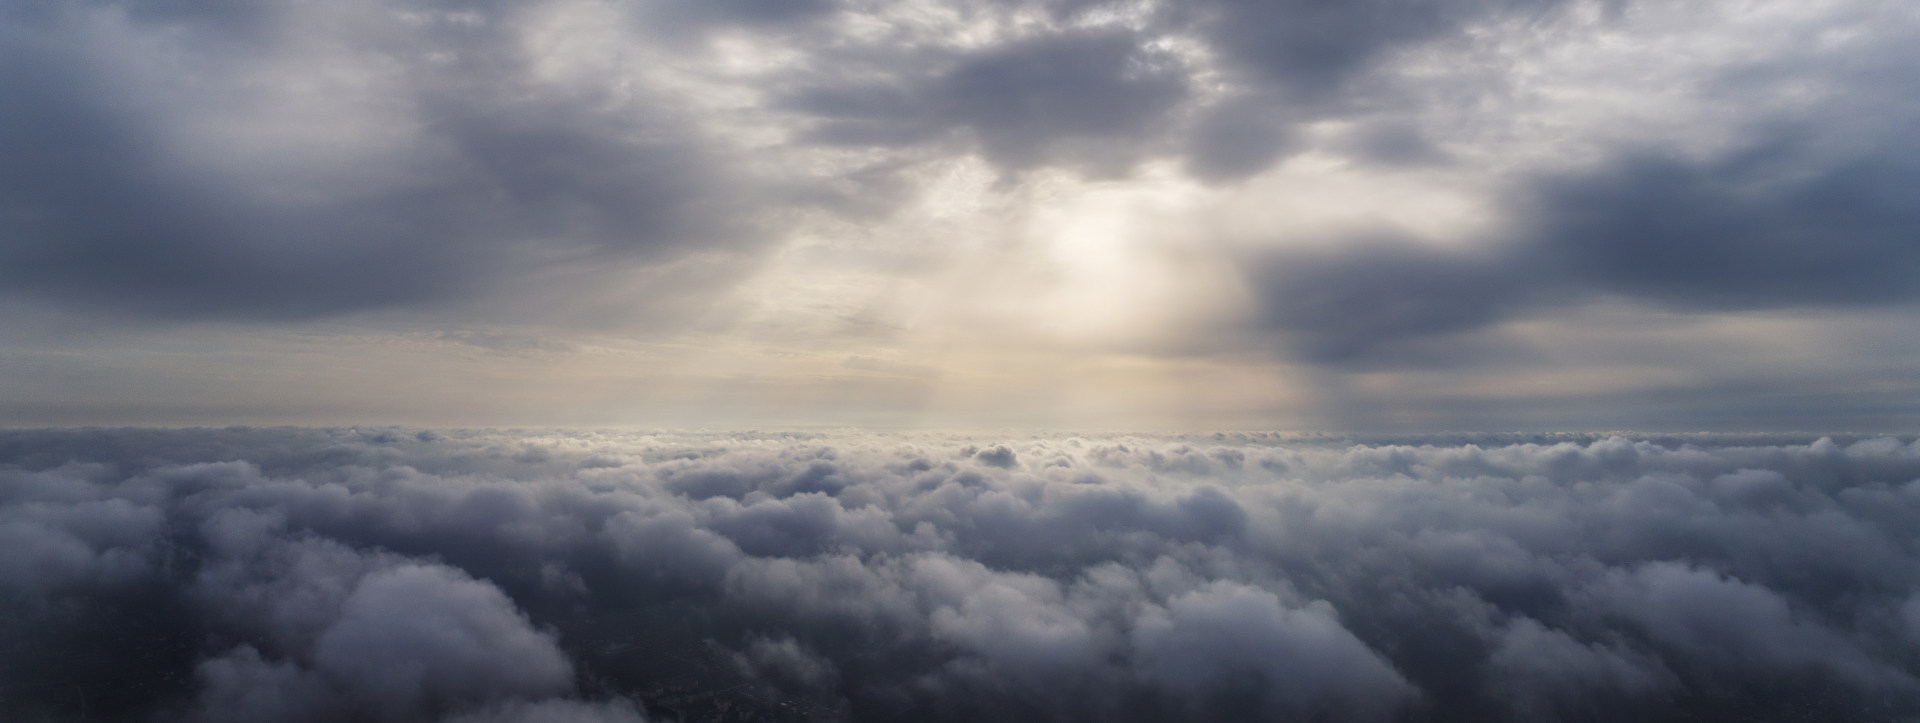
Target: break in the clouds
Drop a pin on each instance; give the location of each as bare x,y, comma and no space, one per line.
1371,214
399,575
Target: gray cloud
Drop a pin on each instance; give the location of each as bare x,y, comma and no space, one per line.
242,686
1372,299
555,711
1299,61
1103,100
1299,662
414,638
1090,99
333,574
1310,49
1793,205
435,164
669,18
1238,137
1546,673
1775,225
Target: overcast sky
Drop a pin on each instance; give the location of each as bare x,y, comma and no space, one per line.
1369,215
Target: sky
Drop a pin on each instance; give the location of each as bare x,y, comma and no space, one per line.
1377,215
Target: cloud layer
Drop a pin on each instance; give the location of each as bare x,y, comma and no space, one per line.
295,160
299,574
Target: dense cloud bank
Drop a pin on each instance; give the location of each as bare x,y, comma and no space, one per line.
324,575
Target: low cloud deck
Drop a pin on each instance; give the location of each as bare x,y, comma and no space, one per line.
402,575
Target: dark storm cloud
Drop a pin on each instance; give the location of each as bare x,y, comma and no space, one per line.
339,575
471,169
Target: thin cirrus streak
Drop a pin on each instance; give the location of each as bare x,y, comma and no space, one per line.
405,575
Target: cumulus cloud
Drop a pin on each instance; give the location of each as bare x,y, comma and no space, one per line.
363,634
415,636
1300,663
1546,673
479,576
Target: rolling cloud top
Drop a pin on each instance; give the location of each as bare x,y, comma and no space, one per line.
400,575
